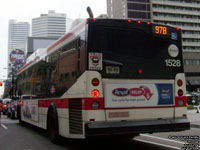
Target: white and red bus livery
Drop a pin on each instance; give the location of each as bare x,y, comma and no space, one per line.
107,77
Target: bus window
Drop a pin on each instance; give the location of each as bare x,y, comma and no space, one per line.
130,50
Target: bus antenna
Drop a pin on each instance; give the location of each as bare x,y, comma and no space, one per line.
90,12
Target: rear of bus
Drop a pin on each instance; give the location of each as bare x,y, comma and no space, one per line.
142,84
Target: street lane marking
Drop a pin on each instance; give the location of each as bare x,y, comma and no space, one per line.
155,137
4,126
157,144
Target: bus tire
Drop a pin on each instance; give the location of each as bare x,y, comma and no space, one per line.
52,124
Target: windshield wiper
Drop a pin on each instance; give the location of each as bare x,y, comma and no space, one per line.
111,62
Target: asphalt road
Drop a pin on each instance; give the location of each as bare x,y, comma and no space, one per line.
16,137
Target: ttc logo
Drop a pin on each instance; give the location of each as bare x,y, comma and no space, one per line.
95,60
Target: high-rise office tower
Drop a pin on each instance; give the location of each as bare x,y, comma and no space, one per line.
49,25
134,9
184,14
17,36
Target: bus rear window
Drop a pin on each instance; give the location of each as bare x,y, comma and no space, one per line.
132,53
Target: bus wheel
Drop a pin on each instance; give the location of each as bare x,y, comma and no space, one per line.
52,126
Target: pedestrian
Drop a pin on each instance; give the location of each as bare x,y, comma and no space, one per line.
198,108
0,112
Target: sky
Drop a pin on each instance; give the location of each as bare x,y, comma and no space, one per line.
25,10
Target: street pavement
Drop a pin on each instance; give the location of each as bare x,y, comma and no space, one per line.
16,137
194,118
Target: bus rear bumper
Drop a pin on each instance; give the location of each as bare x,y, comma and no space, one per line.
135,127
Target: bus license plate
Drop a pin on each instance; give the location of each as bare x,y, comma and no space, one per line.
112,69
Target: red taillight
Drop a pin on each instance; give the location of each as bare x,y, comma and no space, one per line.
140,71
148,22
139,21
94,19
95,93
95,82
21,103
129,20
179,82
177,28
180,92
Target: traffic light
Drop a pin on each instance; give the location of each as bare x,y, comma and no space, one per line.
1,83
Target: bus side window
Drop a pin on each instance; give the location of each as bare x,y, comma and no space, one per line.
82,58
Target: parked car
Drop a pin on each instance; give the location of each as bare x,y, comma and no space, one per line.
6,101
197,100
13,106
193,98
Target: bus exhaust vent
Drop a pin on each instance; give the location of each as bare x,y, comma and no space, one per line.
75,116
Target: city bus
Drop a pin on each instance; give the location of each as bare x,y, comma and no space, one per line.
106,77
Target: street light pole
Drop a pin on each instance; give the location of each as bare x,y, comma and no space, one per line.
11,93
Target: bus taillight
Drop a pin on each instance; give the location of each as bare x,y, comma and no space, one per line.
129,20
180,92
95,93
140,71
179,82
148,22
95,82
139,21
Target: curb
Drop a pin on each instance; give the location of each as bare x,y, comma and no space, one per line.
194,126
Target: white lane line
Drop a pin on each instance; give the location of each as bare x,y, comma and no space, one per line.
4,126
157,144
155,137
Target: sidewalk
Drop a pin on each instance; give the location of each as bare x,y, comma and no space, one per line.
194,118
